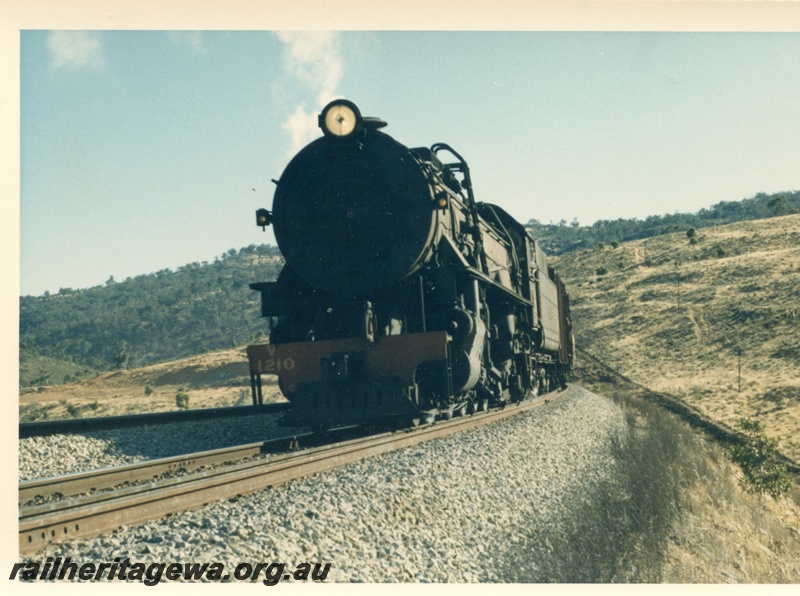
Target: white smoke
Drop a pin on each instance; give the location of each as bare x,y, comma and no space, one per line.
312,58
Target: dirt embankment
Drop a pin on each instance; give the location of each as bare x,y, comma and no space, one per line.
210,380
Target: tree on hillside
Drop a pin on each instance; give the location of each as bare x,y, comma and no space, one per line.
122,358
159,316
558,239
757,456
779,205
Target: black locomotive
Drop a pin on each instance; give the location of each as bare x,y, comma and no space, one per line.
402,298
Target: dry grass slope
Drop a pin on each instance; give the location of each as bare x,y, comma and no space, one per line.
210,380
673,315
702,525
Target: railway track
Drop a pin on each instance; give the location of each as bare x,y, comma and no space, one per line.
81,425
98,480
100,512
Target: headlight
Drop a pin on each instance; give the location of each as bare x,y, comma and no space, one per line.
340,118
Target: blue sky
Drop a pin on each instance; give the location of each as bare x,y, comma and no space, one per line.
145,150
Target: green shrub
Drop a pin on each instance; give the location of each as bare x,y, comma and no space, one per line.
182,401
148,390
74,411
756,456
601,271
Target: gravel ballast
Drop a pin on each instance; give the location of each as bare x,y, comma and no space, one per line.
55,455
450,510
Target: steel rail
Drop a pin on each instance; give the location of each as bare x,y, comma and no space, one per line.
96,480
62,520
78,425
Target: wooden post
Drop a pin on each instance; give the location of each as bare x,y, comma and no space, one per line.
739,354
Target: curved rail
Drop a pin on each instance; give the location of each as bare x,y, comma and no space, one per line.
97,480
80,425
89,516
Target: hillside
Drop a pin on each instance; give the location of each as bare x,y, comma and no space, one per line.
202,307
560,238
672,313
210,380
143,320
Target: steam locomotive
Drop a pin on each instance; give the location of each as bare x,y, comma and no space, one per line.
402,299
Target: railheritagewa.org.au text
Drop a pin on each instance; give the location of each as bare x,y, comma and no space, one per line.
151,574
